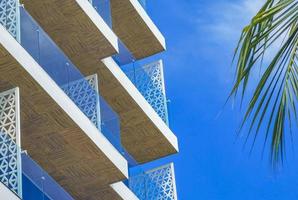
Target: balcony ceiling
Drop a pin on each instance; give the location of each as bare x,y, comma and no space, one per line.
107,193
135,28
50,135
75,27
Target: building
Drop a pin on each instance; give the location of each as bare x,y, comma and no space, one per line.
77,111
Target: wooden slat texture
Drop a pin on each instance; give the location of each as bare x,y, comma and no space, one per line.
70,28
134,32
53,139
140,136
106,193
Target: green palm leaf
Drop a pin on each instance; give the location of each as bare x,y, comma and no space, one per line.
276,92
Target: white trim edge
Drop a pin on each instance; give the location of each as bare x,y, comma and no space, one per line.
99,23
123,191
143,14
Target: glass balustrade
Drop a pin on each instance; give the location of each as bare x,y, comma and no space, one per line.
103,8
143,3
23,176
37,184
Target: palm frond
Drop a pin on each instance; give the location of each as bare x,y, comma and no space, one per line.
275,95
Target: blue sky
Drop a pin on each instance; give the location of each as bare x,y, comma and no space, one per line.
201,36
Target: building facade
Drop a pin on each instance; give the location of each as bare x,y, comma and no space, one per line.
79,114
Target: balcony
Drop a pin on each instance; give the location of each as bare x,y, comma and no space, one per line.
78,151
135,28
137,94
79,27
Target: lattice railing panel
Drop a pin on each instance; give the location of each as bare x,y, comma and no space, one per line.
9,16
149,80
10,155
84,93
157,184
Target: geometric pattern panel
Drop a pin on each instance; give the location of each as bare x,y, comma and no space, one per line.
84,93
10,154
9,16
156,184
149,80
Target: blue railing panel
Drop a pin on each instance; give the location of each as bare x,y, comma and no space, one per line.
103,8
39,183
143,3
32,192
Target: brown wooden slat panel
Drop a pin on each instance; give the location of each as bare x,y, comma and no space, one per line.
71,29
105,193
131,28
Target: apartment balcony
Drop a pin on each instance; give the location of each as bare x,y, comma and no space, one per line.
76,146
145,133
137,94
79,27
135,28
